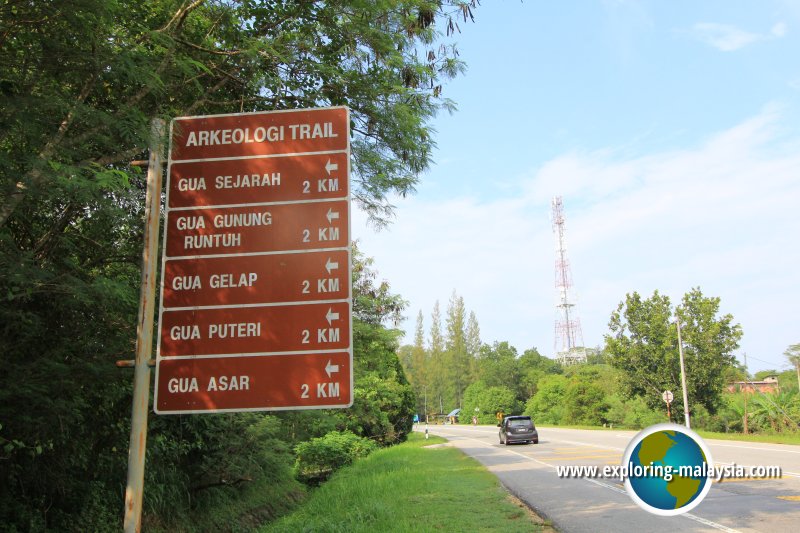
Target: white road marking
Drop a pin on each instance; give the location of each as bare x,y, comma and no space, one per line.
709,523
781,450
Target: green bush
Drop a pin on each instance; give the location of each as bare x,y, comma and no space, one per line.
633,413
547,405
488,401
584,403
202,470
318,458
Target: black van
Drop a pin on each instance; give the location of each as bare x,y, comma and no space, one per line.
518,429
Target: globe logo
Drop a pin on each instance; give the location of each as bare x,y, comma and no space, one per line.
668,468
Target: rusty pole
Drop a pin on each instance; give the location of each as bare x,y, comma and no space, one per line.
144,335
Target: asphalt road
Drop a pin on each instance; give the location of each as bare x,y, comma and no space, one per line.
593,505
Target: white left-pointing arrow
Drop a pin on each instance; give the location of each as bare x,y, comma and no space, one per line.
331,316
332,215
331,369
331,166
331,265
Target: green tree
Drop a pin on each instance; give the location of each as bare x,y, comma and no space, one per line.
584,403
709,340
485,402
383,401
473,345
547,405
498,366
456,356
533,367
80,81
438,367
419,362
81,78
643,345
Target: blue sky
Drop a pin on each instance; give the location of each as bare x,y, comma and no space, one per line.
670,129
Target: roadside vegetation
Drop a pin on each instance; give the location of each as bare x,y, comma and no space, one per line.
619,386
80,83
773,438
410,488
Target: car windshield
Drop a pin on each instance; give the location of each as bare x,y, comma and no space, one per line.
520,423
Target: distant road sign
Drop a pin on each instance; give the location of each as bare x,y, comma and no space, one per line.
668,396
256,299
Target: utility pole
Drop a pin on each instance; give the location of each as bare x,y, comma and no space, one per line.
144,336
747,381
425,392
683,371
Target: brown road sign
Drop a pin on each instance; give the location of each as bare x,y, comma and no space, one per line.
236,330
256,275
253,279
249,229
273,179
312,380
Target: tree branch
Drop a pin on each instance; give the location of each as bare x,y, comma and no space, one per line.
181,15
35,175
208,50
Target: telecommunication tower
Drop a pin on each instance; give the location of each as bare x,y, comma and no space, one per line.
569,347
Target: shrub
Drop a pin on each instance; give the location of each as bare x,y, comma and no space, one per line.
584,403
488,401
318,458
547,405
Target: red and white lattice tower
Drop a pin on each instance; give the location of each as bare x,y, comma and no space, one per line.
569,346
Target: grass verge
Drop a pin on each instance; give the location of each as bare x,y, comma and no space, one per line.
234,511
782,438
410,488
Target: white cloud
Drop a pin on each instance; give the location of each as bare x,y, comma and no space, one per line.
778,30
728,38
724,37
722,216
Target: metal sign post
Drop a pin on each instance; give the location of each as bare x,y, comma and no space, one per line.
144,336
668,397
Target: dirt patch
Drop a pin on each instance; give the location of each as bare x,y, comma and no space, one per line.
535,518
